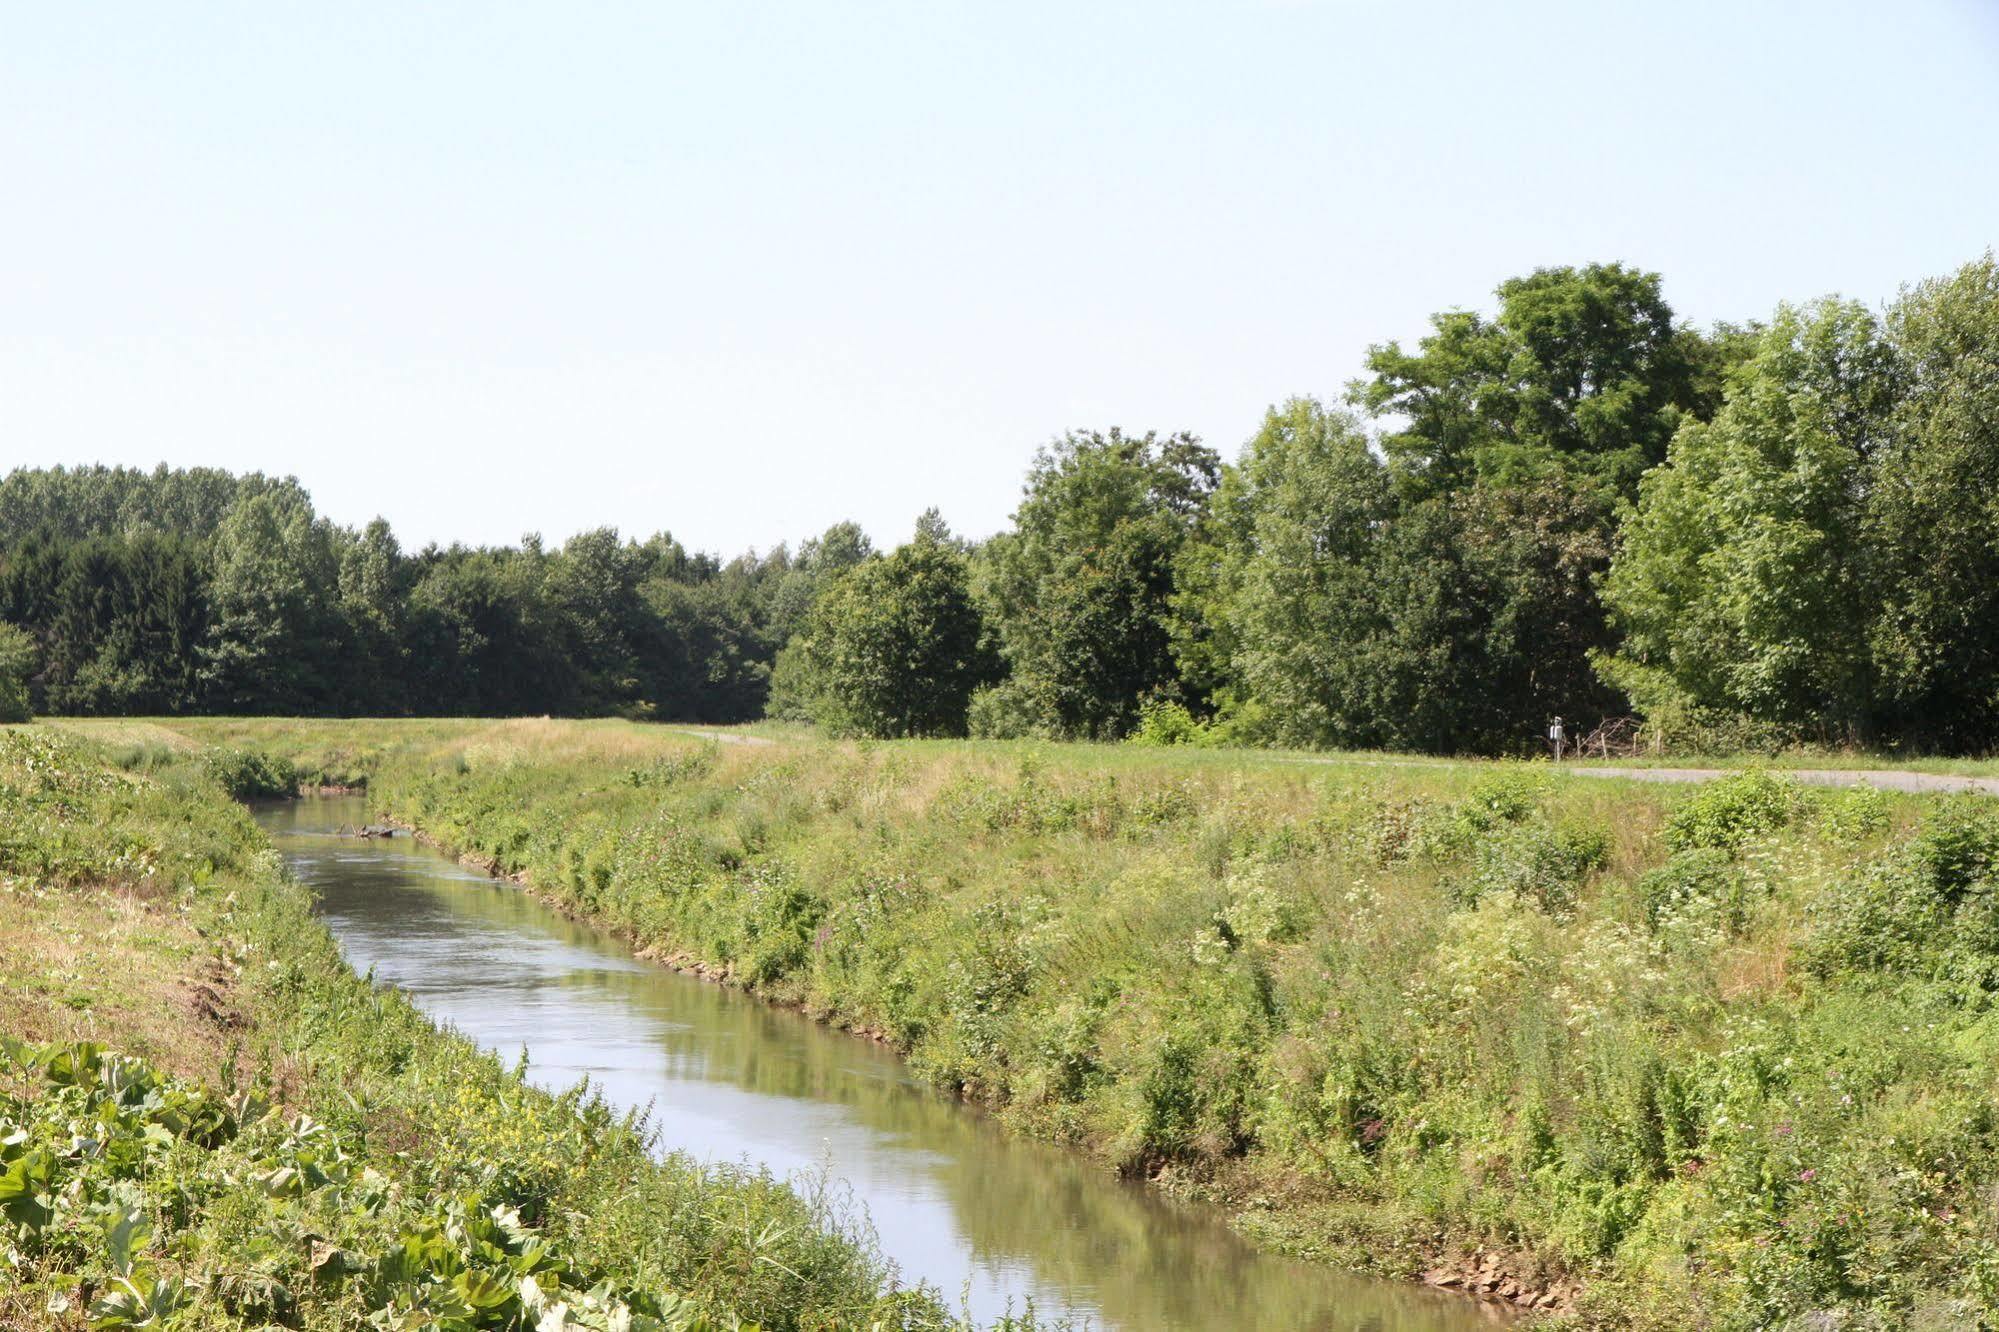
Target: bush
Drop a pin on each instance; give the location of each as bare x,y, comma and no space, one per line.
1508,795
1163,722
17,663
1016,708
248,774
1541,865
1698,879
1854,815
1729,811
1927,907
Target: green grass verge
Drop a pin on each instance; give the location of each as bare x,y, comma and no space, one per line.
282,1144
1721,1056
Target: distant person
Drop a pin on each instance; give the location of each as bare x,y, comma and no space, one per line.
1558,738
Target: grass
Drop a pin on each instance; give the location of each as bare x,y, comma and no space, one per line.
1719,1056
208,1121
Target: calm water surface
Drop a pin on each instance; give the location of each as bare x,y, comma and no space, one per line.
957,1203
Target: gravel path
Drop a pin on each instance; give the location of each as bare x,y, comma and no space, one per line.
1888,779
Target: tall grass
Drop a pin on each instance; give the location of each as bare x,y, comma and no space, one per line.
421,1136
1726,1056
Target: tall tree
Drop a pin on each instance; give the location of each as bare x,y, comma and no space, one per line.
485,638
895,646
1297,521
1338,613
274,644
374,597
820,560
1082,588
1744,584
126,631
1583,373
1933,517
595,580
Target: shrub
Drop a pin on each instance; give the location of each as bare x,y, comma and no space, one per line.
1163,722
1508,795
780,916
17,664
1537,863
1261,910
1017,708
1926,907
1854,815
1727,812
248,774
1697,879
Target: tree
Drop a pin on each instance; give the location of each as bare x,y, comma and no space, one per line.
1338,613
1933,518
894,646
595,581
374,600
72,504
1583,373
274,642
1744,584
1296,524
17,666
485,639
1082,588
709,655
821,559
126,627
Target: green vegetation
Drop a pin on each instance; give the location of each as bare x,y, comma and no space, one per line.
1818,559
17,664
1080,593
1713,1056
251,774
893,648
282,1144
1754,537
198,591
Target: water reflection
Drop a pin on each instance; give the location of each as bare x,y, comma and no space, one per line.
956,1202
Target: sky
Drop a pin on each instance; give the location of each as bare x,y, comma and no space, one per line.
741,271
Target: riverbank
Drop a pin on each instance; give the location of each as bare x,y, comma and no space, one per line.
1716,1056
279,1141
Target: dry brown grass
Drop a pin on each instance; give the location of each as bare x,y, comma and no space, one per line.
120,968
1759,971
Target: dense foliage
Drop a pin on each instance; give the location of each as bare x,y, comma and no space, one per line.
320,1156
1080,591
1824,555
17,664
895,648
194,591
1722,1055
97,1152
1576,506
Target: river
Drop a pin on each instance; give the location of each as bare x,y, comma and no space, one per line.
956,1201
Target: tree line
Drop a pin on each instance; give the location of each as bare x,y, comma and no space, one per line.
1577,504
195,591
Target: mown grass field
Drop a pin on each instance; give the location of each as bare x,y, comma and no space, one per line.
1720,1056
208,1121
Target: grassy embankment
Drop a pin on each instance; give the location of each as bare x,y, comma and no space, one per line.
208,1121
1724,1056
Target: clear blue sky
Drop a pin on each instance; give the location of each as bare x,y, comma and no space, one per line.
740,271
